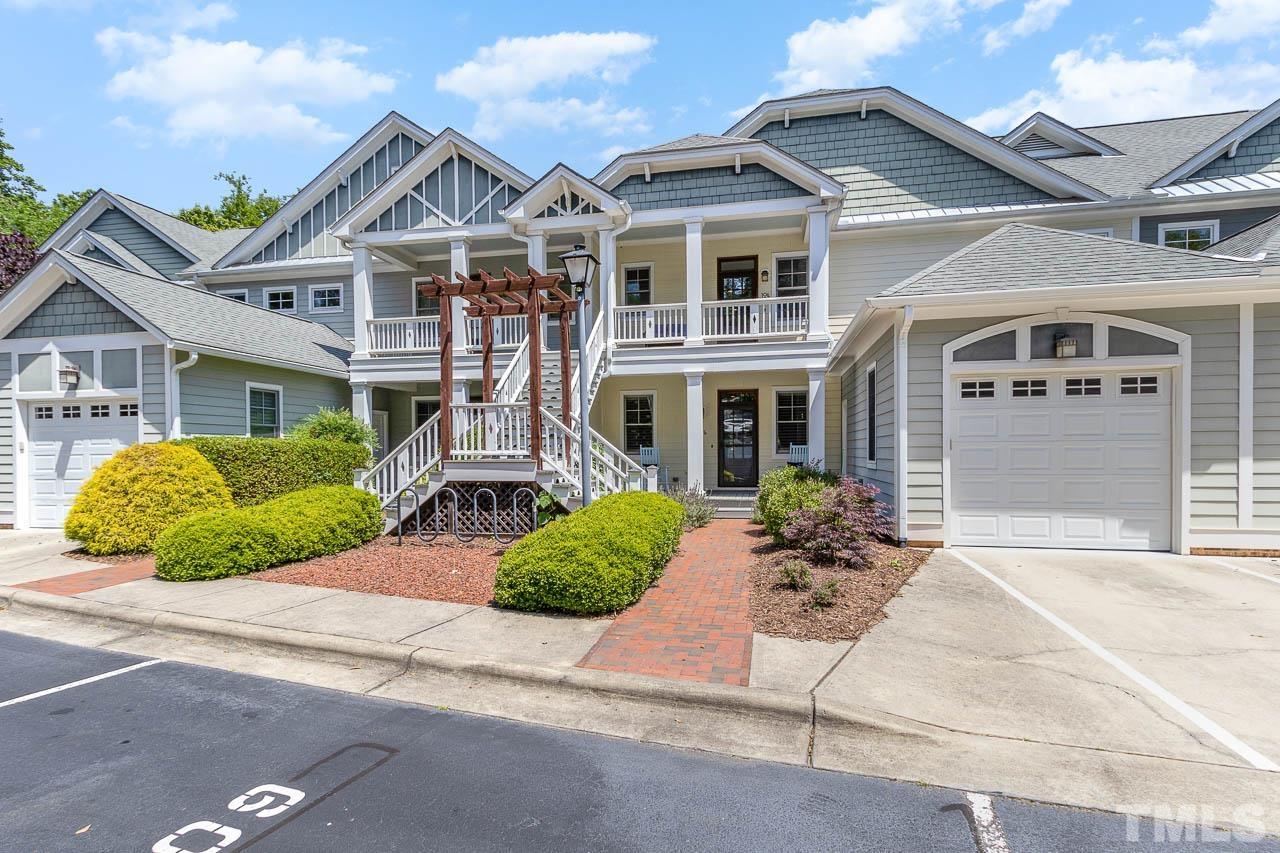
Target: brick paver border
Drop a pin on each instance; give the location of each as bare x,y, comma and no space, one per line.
100,578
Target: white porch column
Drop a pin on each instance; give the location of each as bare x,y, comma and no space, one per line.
817,415
693,280
362,402
608,280
362,285
459,262
538,260
819,274
693,415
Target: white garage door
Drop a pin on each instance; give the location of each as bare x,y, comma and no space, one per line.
68,441
1076,461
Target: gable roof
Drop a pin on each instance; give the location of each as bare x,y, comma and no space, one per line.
561,180
696,140
113,249
1226,143
206,246
1029,257
1259,242
195,319
102,201
1067,139
319,186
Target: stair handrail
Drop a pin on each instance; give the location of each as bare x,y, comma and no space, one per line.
514,375
555,434
594,359
421,452
624,463
599,475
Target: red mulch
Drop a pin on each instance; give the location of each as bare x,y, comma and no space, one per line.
440,571
779,610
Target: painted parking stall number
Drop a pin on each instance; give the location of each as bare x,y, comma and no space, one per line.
264,801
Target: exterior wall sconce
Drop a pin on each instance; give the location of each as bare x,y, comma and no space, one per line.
70,375
764,276
1064,347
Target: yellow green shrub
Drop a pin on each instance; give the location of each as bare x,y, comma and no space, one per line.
139,492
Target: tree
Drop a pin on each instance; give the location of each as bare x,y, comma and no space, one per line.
239,208
17,255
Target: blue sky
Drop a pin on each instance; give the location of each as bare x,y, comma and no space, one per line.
151,99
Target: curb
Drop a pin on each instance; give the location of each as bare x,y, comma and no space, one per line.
420,660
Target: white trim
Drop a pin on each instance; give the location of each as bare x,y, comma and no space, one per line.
86,240
250,386
845,469
622,418
413,407
1228,141
1197,223
291,289
99,203
901,408
1244,474
1071,140
773,270
560,178
232,292
783,389
311,298
653,280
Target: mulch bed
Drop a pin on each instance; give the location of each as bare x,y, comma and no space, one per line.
439,571
779,610
109,559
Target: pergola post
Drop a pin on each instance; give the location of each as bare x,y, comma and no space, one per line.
534,307
566,372
446,377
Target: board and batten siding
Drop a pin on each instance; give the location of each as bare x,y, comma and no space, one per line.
213,394
125,230
153,385
853,385
1266,416
6,439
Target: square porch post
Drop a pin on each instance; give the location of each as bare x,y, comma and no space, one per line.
819,274
362,287
459,262
608,280
817,439
693,280
362,402
693,427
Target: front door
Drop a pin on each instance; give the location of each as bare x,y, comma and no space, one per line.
737,277
738,457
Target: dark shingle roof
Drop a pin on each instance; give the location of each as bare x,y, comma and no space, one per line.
207,246
697,140
1020,256
1261,239
191,315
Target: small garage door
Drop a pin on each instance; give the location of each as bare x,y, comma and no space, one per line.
1076,461
68,441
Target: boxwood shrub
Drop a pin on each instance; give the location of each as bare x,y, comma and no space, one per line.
785,490
139,492
298,526
596,560
260,469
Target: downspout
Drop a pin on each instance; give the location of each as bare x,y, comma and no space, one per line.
175,385
900,391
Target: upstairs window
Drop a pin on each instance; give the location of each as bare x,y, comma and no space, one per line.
326,298
637,284
792,276
1195,236
282,299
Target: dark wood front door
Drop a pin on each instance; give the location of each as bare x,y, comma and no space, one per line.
739,439
737,277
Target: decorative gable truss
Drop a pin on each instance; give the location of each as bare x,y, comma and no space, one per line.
563,194
567,204
1043,137
459,191
307,236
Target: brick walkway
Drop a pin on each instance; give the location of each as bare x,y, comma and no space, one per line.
695,624
78,582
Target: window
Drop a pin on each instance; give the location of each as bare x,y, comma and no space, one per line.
424,408
792,275
282,299
1189,235
1122,342
1023,388
424,306
264,411
325,298
71,412
978,389
43,413
1139,385
128,410
637,422
35,371
83,362
637,285
1088,386
119,369
1001,347
237,295
871,413
100,410
736,277
792,417
1044,339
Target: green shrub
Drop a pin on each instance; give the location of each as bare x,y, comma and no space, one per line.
795,574
824,595
298,526
139,492
698,508
335,425
260,469
785,490
596,560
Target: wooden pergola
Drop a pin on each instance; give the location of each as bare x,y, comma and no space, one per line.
487,297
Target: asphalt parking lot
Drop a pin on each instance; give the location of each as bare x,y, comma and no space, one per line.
140,754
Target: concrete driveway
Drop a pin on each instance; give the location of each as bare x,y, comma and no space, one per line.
1134,682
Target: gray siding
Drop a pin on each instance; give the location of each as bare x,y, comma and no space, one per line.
716,185
74,309
1258,153
341,322
890,165
6,438
1266,417
462,190
853,385
152,409
1230,222
213,394
146,245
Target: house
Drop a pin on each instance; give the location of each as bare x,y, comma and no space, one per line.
1060,337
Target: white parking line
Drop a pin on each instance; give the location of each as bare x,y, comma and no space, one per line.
1240,569
6,703
988,833
1202,722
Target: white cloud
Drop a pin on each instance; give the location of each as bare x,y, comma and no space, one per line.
1114,88
140,134
1037,16
220,90
614,151
1234,21
503,79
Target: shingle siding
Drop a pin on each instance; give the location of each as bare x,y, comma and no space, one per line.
74,309
146,245
891,165
214,402
714,185
1258,153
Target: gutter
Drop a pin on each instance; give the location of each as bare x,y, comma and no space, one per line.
175,392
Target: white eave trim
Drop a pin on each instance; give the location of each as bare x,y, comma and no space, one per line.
926,118
551,186
77,245
1066,136
1227,142
100,202
254,358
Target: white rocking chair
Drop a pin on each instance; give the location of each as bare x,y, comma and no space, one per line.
798,454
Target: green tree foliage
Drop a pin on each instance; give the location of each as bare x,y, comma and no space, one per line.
239,208
21,210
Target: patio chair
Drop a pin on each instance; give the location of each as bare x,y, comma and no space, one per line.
649,456
798,454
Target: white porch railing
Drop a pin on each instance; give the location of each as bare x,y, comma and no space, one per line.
406,464
595,364
560,453
508,331
490,430
756,318
609,462
514,377
404,335
651,323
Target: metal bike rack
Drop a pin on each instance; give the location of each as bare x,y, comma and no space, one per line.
432,531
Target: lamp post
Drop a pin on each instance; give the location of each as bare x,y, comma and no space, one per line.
579,266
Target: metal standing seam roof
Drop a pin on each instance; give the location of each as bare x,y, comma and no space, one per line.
1261,239
192,315
1020,257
